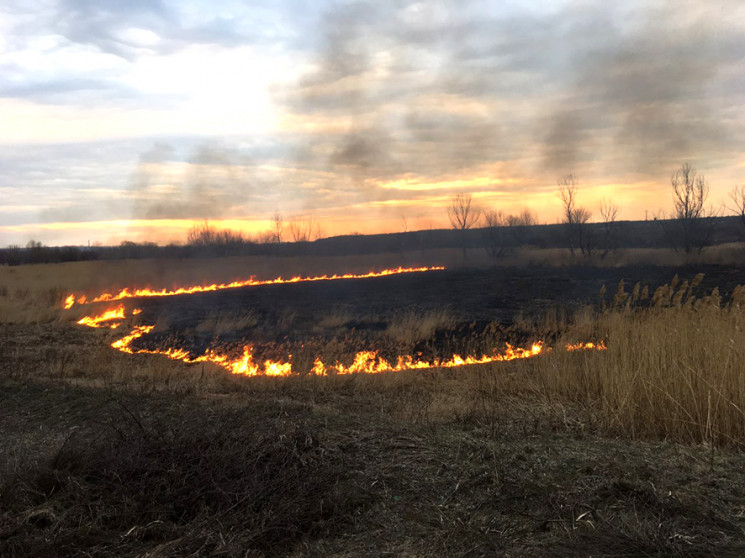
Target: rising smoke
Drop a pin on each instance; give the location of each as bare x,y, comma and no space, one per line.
440,89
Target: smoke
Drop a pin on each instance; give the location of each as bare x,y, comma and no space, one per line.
434,90
212,183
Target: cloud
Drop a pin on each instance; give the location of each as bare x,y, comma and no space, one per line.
212,183
439,89
63,89
134,28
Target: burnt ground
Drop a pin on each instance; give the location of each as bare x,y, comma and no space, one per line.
485,307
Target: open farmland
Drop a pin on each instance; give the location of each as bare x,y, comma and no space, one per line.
636,450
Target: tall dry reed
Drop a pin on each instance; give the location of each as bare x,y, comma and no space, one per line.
674,368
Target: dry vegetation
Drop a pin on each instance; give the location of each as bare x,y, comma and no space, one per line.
408,328
633,451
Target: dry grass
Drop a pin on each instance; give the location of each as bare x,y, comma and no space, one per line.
27,292
108,454
673,368
408,328
335,319
218,324
179,480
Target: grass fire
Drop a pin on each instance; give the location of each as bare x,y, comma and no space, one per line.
436,396
70,300
367,362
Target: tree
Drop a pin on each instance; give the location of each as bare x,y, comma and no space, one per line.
304,229
504,232
35,251
201,235
463,215
609,213
494,234
209,240
737,195
693,220
526,218
277,227
574,218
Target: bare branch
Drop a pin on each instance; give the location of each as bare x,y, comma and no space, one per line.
737,195
526,218
608,211
304,229
690,192
495,218
694,222
463,215
277,227
567,194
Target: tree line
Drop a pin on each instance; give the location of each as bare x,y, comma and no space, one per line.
690,228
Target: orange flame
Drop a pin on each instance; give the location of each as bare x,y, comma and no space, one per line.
587,346
365,362
108,316
124,342
251,282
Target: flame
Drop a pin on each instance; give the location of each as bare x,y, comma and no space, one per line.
365,362
124,342
251,282
587,346
110,315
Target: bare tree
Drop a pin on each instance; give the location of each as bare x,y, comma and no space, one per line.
277,227
304,229
609,213
694,221
201,235
495,234
520,226
574,218
211,240
526,218
737,195
495,218
463,215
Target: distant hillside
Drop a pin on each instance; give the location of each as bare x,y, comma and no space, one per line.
495,240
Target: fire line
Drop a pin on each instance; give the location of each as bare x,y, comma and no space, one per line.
71,300
368,362
365,362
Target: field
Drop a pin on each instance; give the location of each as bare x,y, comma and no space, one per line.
635,450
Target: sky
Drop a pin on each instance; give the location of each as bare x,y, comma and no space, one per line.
135,120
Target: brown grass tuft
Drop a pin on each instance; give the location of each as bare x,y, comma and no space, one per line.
408,328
